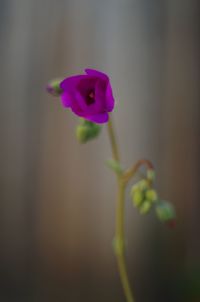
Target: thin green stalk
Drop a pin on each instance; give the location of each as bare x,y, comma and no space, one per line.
111,133
119,233
120,237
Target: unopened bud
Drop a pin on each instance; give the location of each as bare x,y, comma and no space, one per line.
143,184
54,87
87,131
134,189
145,207
82,134
137,197
151,195
165,211
151,174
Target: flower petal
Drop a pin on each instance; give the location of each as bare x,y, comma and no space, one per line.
81,102
84,87
96,73
69,84
99,118
66,99
109,98
100,95
76,108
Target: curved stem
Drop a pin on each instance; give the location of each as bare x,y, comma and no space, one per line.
131,172
119,235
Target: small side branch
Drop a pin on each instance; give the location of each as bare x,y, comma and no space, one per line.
130,173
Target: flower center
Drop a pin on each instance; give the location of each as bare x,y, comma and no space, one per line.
90,98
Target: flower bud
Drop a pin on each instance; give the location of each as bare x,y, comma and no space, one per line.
82,134
134,189
87,131
165,211
151,175
143,184
151,195
145,207
137,198
54,87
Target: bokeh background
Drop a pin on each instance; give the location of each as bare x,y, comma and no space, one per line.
57,198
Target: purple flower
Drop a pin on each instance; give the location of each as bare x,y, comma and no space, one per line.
89,95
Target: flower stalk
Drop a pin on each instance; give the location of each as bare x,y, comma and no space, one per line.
122,181
119,241
120,238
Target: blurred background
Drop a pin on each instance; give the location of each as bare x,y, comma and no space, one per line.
57,198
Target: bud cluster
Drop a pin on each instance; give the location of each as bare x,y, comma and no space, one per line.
145,197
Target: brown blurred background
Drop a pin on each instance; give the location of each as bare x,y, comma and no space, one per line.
57,198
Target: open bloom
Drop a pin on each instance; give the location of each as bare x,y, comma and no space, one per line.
88,95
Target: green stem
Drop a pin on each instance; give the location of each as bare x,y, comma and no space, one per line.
121,238
119,235
111,133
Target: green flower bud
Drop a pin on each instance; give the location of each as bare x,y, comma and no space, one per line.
54,87
165,211
151,195
151,175
87,131
137,197
82,134
145,207
143,184
134,189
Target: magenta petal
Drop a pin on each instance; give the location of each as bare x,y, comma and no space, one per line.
96,73
99,118
77,109
100,96
104,96
109,98
81,102
69,84
66,99
81,95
